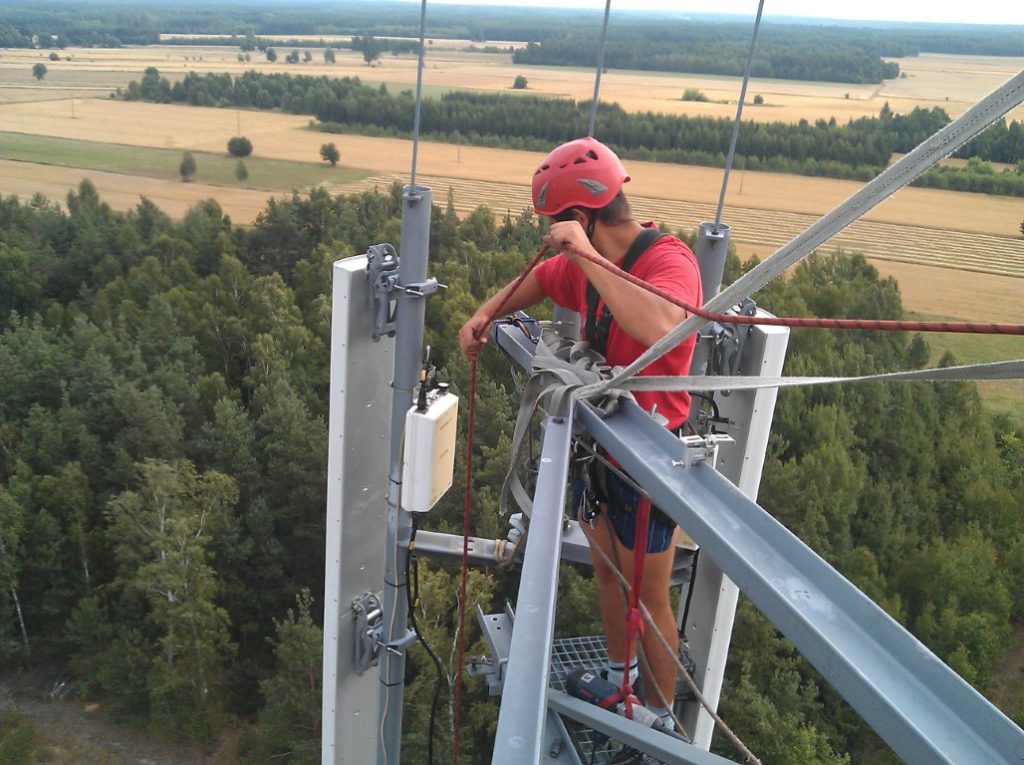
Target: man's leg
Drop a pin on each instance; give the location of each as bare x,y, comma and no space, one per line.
654,594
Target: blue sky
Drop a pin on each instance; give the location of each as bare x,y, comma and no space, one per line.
963,11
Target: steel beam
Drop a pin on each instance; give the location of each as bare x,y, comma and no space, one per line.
664,748
520,735
709,621
926,712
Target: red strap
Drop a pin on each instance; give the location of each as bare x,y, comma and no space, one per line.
634,619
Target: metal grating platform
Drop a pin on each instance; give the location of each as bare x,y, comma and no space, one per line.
588,651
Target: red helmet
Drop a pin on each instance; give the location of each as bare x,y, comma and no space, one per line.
580,173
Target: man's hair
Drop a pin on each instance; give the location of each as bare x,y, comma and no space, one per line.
615,212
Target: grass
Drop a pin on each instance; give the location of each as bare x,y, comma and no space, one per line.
1004,396
213,169
18,740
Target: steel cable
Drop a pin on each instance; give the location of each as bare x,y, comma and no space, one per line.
739,113
600,67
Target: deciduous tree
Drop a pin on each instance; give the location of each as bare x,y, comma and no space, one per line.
239,146
329,153
162,530
187,168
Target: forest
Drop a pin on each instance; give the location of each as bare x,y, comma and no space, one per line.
857,150
818,61
163,454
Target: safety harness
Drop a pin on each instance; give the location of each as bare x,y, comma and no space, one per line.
597,328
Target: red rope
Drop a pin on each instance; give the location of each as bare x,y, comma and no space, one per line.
466,504
464,574
634,618
868,324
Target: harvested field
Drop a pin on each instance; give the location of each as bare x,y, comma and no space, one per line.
953,83
282,136
123,192
771,229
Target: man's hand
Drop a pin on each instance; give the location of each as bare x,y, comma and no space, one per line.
569,233
473,335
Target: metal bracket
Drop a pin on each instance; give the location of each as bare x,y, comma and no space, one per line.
368,614
497,631
727,341
382,274
699,449
423,289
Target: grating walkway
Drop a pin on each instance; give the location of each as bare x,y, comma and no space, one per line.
590,652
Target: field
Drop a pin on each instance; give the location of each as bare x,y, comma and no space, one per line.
163,164
951,82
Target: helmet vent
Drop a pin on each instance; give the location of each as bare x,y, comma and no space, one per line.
592,154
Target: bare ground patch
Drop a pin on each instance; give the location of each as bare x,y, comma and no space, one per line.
76,732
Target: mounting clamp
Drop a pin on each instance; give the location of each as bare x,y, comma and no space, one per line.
698,449
368,614
382,274
727,341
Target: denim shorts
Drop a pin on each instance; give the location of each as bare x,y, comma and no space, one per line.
622,502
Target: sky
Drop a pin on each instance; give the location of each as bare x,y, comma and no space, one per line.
945,11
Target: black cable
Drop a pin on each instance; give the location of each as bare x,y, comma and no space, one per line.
716,416
689,591
412,599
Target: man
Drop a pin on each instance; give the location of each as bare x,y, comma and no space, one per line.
579,187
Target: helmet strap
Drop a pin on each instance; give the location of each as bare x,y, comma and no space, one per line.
591,222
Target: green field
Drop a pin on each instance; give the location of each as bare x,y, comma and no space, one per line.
214,169
437,91
1005,396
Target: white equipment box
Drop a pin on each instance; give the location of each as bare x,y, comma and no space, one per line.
429,452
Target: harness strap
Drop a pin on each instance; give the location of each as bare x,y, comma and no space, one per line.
597,328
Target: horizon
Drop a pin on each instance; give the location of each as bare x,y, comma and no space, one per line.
982,12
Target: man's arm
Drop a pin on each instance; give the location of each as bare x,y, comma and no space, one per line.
641,314
474,333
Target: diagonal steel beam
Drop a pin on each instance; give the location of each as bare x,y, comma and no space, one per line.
926,712
519,737
667,749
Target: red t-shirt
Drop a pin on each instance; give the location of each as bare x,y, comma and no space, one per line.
669,265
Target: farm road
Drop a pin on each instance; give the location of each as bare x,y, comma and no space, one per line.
981,253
